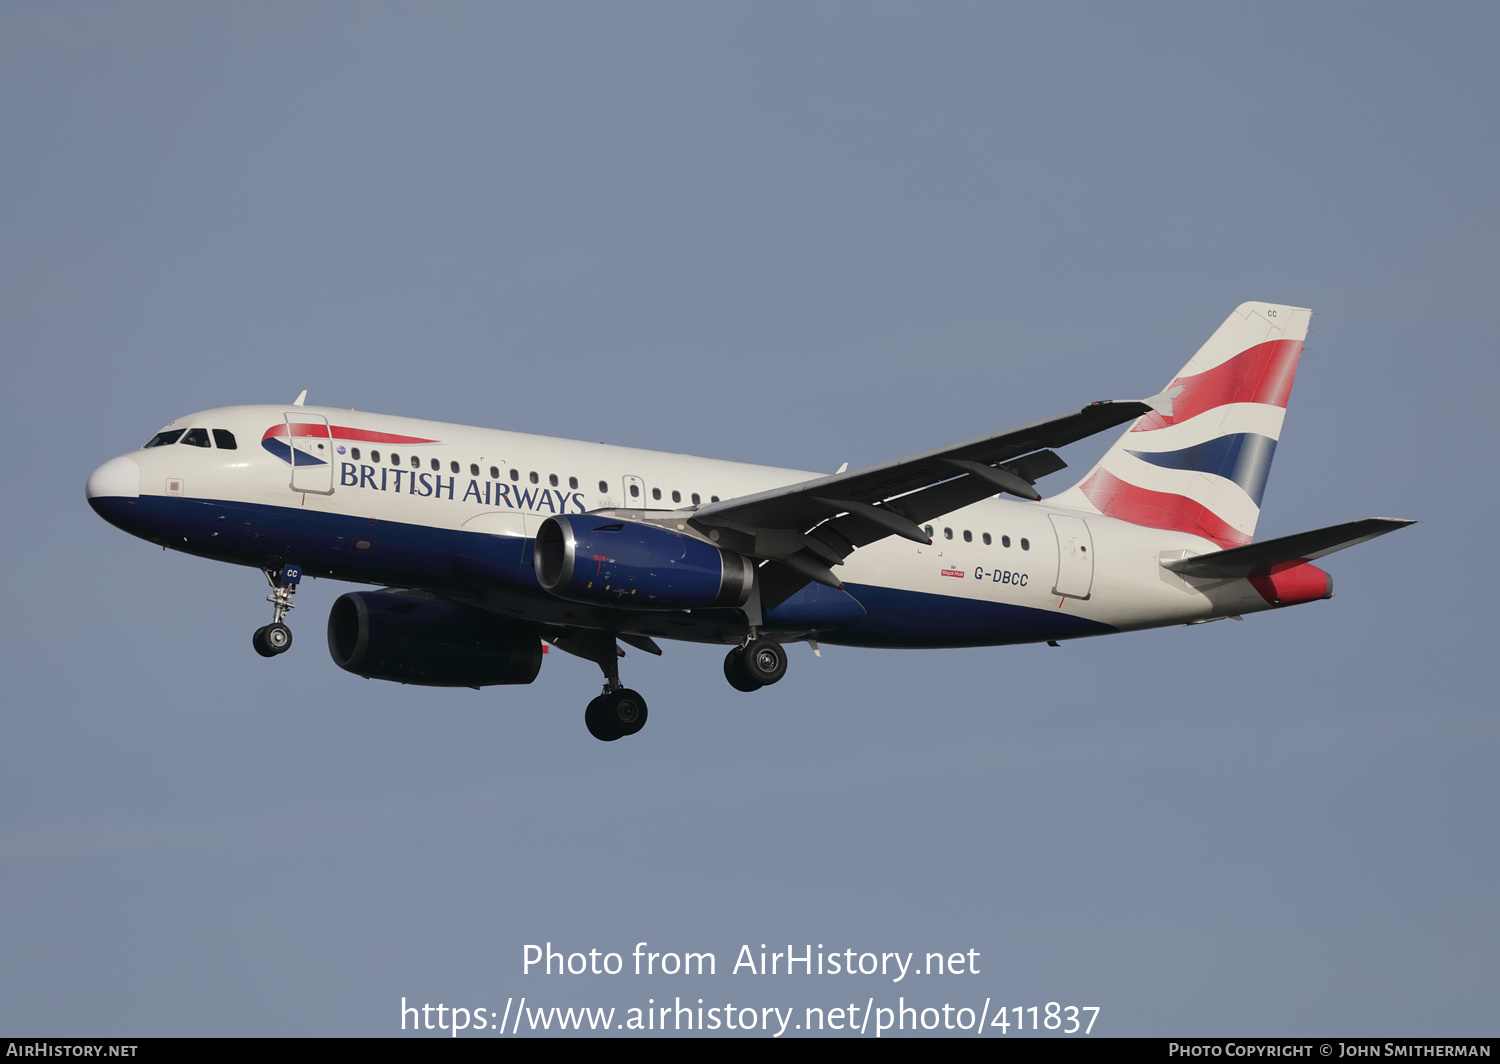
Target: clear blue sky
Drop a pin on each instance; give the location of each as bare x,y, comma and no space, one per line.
792,234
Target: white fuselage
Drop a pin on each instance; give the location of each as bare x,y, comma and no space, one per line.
390,496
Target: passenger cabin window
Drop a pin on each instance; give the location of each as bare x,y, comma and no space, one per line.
436,465
603,487
197,438
474,470
968,536
1004,541
416,463
635,491
374,456
395,459
656,494
515,474
165,439
572,482
494,472
224,440
928,530
453,467
534,478
947,533
986,539
1025,543
713,498
696,500
676,496
354,453
552,479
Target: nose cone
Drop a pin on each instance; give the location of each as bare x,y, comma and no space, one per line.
119,478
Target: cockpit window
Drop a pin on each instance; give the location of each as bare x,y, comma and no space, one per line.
165,439
224,439
196,438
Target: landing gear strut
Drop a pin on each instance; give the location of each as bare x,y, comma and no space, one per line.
618,711
276,638
759,663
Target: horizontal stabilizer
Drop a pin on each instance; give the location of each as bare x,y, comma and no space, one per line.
1300,547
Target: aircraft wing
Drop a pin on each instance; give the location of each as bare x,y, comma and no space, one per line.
811,526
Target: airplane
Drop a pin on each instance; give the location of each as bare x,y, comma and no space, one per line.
491,546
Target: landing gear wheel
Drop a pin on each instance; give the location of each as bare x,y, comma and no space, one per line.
597,722
278,637
764,661
271,640
629,711
735,672
615,715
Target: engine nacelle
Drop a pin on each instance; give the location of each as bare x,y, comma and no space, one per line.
612,562
416,639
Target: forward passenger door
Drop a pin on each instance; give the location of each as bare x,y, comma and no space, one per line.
311,445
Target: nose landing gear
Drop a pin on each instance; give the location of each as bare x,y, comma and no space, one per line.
276,638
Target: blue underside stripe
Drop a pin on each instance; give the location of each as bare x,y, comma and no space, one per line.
915,619
1244,457
396,554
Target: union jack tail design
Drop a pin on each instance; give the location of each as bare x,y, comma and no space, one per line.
1199,463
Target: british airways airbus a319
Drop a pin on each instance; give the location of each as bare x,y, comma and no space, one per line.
487,544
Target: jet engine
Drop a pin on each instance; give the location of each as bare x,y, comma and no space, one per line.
613,562
418,639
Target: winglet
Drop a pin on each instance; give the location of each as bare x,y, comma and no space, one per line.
301,399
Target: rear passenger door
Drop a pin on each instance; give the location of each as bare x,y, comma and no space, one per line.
1075,557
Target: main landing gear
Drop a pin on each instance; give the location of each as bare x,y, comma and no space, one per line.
618,711
615,714
759,663
276,638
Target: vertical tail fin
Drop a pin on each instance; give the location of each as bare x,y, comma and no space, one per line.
1199,464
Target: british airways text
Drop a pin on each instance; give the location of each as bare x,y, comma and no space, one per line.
483,492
